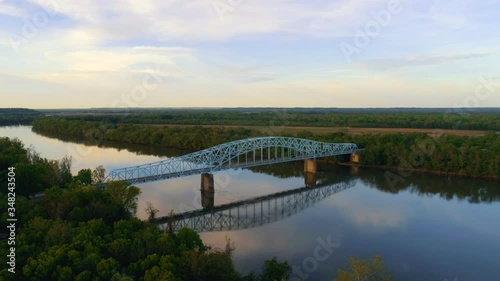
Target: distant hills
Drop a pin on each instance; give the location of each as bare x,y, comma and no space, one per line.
19,111
306,110
18,116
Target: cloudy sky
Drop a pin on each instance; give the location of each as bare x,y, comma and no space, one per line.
227,53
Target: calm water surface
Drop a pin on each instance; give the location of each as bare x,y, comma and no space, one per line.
427,228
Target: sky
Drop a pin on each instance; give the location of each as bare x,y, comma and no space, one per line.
249,53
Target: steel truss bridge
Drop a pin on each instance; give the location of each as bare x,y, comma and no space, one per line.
232,155
252,212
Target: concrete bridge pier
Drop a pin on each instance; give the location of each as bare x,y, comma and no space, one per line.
310,169
207,199
207,191
355,157
310,166
207,182
310,179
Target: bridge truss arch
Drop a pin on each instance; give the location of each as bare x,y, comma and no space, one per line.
236,154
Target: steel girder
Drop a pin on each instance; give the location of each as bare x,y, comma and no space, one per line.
221,157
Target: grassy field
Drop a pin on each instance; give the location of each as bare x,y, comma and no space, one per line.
326,130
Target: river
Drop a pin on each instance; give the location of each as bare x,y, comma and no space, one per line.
426,228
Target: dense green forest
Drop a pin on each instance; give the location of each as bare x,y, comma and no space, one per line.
17,116
468,156
186,138
443,118
447,119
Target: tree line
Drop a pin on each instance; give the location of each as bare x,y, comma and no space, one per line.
460,155
447,119
17,116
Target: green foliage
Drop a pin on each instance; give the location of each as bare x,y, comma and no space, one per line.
189,240
107,268
151,211
368,270
17,116
84,177
33,173
210,266
188,138
274,270
98,174
82,204
95,251
398,118
124,195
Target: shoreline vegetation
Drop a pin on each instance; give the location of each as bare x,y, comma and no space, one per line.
469,156
483,119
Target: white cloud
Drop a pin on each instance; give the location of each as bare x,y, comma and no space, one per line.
191,20
415,61
10,10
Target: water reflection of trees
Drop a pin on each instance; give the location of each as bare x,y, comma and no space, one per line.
139,149
446,187
281,170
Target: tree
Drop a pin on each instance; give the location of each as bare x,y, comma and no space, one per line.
188,239
98,174
274,270
107,268
84,177
64,171
366,270
124,195
151,211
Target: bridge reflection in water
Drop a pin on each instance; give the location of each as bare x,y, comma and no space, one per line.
252,212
